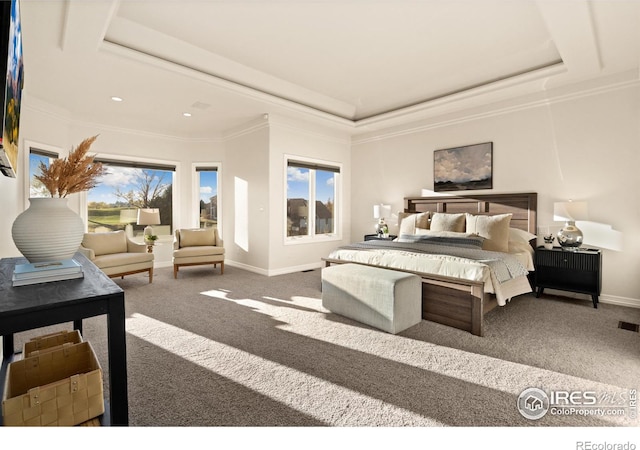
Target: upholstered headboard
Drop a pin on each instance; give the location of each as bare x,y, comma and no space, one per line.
522,206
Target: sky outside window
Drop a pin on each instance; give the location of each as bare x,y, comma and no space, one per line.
208,185
298,184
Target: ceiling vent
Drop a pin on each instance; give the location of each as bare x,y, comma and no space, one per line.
201,105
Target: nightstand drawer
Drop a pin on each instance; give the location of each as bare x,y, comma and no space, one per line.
582,261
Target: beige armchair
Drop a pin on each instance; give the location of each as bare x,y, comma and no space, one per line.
117,255
192,247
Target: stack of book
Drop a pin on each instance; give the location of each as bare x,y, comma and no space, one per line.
44,272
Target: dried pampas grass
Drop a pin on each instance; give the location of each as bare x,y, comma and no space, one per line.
75,173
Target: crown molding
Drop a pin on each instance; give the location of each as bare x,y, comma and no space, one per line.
333,136
616,82
252,126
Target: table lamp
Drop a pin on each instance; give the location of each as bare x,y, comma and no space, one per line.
128,216
148,217
380,212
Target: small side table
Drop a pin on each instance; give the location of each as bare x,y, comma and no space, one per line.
29,307
574,271
375,237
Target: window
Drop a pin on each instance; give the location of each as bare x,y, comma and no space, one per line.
311,199
126,187
37,156
207,182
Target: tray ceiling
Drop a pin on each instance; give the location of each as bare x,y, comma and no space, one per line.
351,62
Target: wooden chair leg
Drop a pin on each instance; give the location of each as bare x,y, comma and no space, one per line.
175,271
221,267
151,275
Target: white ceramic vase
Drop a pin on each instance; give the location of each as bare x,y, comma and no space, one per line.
48,230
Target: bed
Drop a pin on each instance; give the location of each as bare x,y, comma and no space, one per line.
466,269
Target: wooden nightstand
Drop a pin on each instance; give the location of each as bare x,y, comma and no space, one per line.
375,237
574,271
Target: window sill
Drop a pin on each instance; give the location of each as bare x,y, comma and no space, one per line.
297,240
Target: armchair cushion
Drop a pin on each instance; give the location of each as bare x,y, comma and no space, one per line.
199,250
106,243
193,238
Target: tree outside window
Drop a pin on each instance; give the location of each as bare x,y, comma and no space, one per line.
125,189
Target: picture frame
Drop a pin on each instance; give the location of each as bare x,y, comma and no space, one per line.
469,167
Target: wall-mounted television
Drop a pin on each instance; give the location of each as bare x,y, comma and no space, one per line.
11,63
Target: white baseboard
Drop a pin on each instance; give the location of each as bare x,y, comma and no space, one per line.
273,272
621,301
604,298
293,269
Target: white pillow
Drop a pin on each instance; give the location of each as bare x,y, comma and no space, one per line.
518,235
447,222
410,222
494,228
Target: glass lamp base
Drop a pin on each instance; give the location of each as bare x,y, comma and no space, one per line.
570,237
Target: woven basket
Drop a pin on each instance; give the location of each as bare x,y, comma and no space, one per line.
61,387
49,342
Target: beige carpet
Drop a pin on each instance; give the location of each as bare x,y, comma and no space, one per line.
247,350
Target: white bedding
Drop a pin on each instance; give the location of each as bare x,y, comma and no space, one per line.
445,265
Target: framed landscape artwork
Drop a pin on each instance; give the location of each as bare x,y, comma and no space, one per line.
463,168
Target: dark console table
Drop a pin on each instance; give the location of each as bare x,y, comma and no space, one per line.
38,305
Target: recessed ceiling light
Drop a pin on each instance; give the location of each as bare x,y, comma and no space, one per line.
186,114
116,99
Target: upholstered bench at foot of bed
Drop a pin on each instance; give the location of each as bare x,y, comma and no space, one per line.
385,299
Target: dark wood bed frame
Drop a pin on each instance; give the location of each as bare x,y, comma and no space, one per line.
452,301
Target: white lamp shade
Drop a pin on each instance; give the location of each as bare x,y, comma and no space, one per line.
570,211
148,216
128,215
381,211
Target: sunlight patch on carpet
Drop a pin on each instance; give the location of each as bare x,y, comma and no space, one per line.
298,390
305,317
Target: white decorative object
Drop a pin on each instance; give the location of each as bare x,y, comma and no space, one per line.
48,230
380,212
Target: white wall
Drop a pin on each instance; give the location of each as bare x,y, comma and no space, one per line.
255,158
10,209
246,198
580,146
